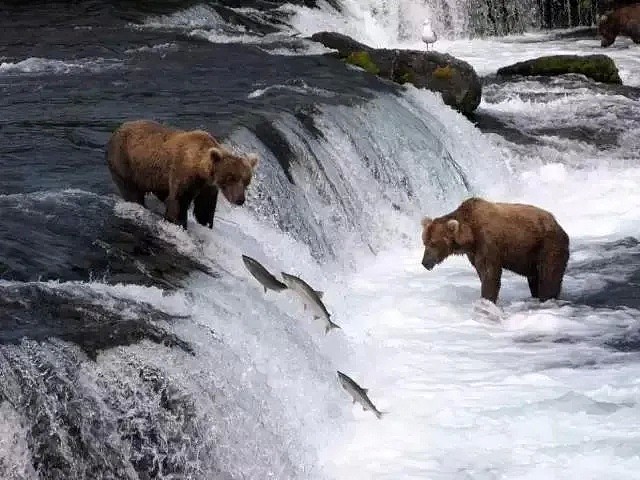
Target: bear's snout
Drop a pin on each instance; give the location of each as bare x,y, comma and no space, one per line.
428,261
234,193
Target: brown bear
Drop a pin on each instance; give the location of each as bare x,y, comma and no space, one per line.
521,238
178,167
621,21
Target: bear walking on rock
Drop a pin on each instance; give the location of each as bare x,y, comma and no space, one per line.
179,167
521,238
621,21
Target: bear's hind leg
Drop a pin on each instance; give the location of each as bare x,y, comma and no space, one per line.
553,263
178,209
533,284
172,212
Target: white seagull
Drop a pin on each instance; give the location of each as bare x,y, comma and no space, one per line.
428,35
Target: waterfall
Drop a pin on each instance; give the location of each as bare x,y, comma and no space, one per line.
205,376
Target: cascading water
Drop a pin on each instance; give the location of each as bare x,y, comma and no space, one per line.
403,162
200,374
400,22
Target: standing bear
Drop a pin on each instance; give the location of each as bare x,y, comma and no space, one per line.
521,238
621,21
179,167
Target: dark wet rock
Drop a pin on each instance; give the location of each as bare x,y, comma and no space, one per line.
629,342
600,68
91,321
489,123
77,236
579,33
277,143
337,41
455,79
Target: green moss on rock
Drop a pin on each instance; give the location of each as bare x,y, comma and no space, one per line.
404,75
363,60
444,73
455,80
598,67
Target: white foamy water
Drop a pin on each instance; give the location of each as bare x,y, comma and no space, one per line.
204,22
477,395
159,48
35,65
297,86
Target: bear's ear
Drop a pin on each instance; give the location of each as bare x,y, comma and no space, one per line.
426,221
453,226
462,233
253,160
216,155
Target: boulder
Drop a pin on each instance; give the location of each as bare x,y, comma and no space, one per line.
600,68
455,79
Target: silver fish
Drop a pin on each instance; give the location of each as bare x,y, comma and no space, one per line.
359,394
261,274
311,298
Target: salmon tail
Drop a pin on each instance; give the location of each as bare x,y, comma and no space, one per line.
330,327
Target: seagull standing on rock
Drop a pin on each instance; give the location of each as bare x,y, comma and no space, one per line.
428,35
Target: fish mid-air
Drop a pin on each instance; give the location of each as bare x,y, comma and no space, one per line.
311,298
359,394
428,35
261,274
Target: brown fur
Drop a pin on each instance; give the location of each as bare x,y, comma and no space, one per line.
621,21
521,238
178,167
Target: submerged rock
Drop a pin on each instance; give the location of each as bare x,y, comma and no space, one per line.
600,68
455,79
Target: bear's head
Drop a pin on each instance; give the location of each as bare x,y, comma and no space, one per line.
232,173
443,237
608,29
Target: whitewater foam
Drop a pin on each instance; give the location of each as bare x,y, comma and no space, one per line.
198,16
159,48
297,86
36,65
14,444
